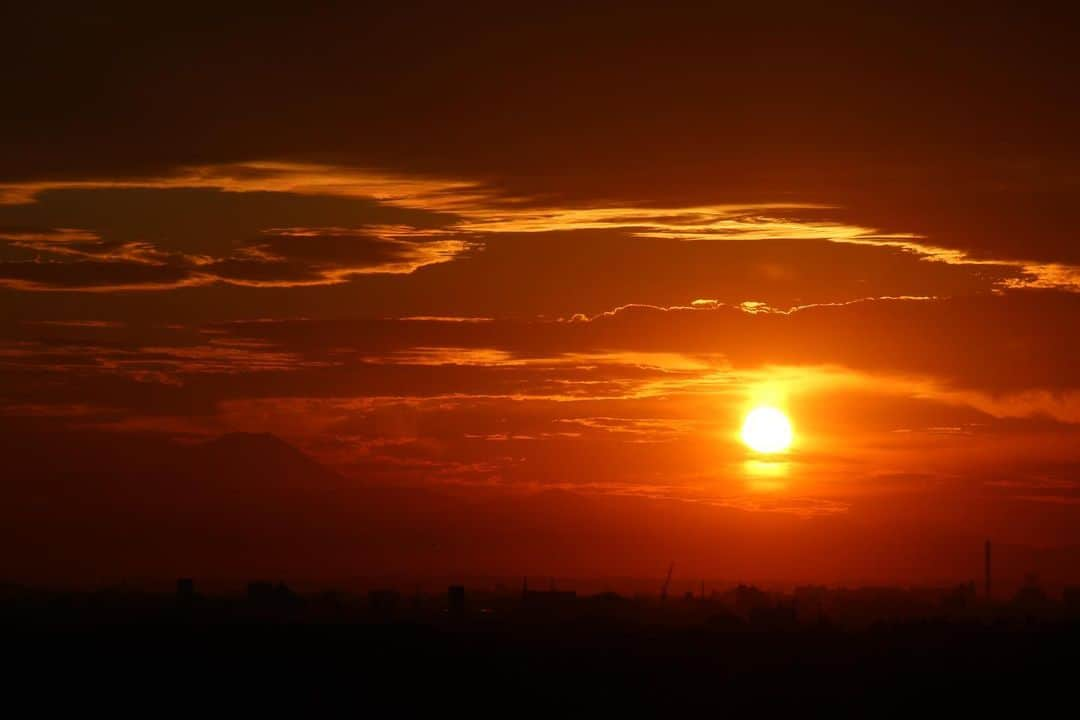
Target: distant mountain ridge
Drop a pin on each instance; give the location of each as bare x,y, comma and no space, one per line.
260,454
97,453
97,507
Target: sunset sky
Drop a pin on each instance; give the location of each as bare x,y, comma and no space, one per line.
515,276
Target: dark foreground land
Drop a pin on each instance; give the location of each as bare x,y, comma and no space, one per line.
483,670
243,657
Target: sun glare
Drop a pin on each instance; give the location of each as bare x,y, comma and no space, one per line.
767,430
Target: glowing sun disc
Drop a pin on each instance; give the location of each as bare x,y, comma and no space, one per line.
767,430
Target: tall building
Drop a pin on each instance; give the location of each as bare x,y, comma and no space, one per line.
455,600
383,602
185,592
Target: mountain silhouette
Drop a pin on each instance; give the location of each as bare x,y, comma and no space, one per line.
94,507
96,456
114,504
260,456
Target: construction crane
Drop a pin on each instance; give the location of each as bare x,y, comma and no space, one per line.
667,582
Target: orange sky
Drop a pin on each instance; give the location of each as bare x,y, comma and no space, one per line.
514,279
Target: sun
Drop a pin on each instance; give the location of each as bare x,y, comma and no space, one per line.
767,430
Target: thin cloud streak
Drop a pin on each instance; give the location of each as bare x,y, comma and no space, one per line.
480,210
80,260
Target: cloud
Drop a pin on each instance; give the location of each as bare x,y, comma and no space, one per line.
763,221
481,211
69,259
643,429
591,407
275,177
78,323
318,256
957,340
908,348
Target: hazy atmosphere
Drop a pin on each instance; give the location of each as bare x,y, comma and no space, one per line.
415,290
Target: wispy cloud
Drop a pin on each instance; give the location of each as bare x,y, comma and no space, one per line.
472,211
68,259
277,177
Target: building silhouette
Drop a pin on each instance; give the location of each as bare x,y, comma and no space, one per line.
383,602
185,592
455,600
269,597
